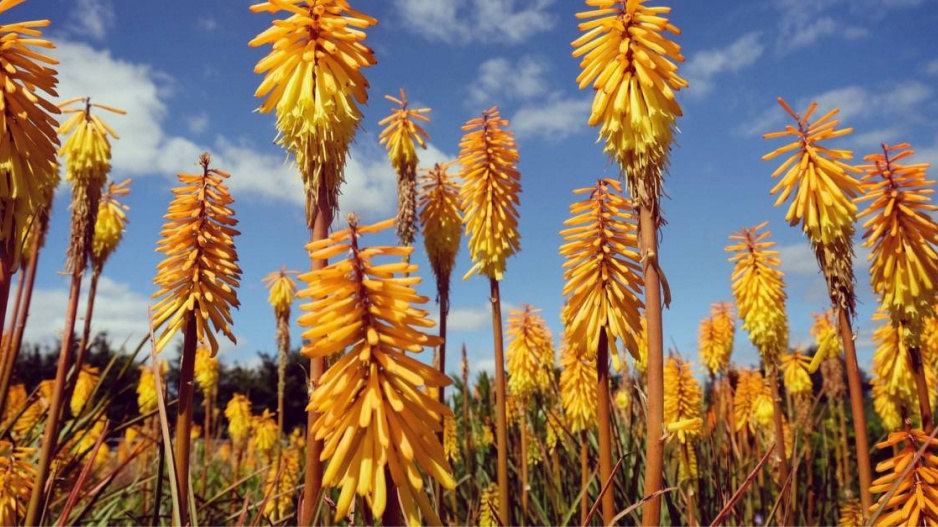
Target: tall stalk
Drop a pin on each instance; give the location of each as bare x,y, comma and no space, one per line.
184,416
605,426
777,416
16,340
85,335
501,423
50,437
654,372
854,385
14,315
313,476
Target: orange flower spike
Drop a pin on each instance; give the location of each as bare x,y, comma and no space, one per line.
628,59
817,176
200,272
489,194
903,237
602,270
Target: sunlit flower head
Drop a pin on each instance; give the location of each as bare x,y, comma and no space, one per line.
530,354
602,270
795,373
682,400
364,309
238,414
282,290
401,136
578,387
441,218
491,184
206,369
313,81
902,233
629,60
199,274
815,176
110,223
759,290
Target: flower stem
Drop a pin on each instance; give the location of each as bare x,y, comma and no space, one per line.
50,438
772,371
85,336
654,418
605,431
856,406
184,416
501,425
13,346
313,476
441,397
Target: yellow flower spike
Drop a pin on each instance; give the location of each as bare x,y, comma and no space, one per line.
28,139
629,61
370,400
759,290
441,218
87,153
682,400
489,193
850,514
16,402
206,369
110,224
577,387
530,353
282,290
238,414
622,399
915,500
902,233
401,135
815,177
199,273
488,507
265,433
16,480
87,379
751,392
146,388
314,83
602,270
795,373
450,439
724,326
893,381
826,338
708,345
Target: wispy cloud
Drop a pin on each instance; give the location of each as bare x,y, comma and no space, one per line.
466,21
802,23
554,119
901,102
704,68
91,19
500,80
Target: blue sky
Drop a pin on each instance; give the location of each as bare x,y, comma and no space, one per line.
183,71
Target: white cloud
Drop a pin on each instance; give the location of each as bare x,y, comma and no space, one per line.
475,318
146,148
932,68
208,24
704,66
92,19
197,123
467,21
805,22
899,102
555,119
798,259
928,154
500,80
543,112
118,310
